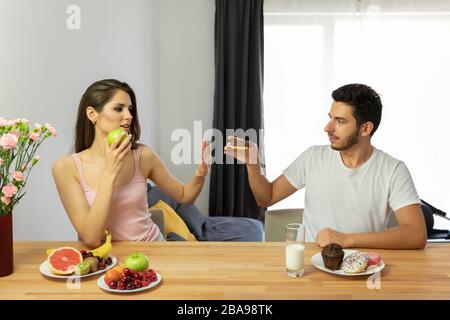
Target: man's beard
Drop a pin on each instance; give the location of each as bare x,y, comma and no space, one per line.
351,141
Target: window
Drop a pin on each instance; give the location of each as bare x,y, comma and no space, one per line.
313,47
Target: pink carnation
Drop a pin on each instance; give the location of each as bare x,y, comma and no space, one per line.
16,132
17,175
52,131
34,136
6,200
9,190
8,141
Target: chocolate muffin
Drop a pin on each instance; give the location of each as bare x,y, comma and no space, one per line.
332,256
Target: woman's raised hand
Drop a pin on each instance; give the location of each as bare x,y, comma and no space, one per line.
203,167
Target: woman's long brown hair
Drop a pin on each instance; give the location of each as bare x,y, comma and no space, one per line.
97,95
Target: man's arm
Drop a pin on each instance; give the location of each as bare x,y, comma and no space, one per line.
411,233
266,193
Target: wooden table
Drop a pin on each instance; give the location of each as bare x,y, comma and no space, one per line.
237,270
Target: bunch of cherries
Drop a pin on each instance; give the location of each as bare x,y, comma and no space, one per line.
133,280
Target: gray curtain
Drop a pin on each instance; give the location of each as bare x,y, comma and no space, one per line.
238,99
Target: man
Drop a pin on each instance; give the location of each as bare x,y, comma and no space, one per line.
352,188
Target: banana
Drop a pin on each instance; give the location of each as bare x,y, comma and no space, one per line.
105,248
101,251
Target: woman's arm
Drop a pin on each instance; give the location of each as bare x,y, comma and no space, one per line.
90,222
182,193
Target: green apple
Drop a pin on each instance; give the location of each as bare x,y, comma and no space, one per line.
136,261
115,134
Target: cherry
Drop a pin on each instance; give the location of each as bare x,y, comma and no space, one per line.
108,261
145,283
137,283
131,286
121,285
84,253
149,274
113,284
127,272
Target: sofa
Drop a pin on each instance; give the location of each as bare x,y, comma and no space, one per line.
202,227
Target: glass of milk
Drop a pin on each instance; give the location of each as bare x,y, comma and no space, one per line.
295,249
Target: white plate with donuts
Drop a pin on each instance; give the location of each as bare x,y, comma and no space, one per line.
356,264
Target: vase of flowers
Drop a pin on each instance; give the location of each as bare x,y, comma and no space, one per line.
18,147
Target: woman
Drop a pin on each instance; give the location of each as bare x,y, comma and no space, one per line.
104,186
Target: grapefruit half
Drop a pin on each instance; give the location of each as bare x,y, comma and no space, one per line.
64,260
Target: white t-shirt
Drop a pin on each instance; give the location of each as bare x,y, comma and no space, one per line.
350,200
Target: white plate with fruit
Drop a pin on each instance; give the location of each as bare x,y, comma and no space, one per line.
46,270
136,281
68,262
134,276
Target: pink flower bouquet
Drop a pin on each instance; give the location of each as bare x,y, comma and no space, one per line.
18,146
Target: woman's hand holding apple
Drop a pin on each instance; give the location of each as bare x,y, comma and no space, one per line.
116,153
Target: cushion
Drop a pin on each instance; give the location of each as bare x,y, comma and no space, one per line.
233,229
154,195
193,218
207,228
220,228
172,236
172,222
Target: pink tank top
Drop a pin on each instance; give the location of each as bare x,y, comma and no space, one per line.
129,218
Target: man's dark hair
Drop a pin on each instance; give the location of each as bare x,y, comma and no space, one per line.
365,101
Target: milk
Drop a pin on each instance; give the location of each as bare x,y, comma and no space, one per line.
295,256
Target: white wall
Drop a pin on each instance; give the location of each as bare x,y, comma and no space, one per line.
187,78
44,70
163,48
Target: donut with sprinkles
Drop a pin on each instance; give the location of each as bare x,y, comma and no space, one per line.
355,263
